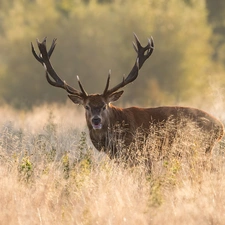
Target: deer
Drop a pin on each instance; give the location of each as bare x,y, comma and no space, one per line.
102,116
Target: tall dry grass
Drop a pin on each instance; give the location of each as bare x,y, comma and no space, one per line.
50,174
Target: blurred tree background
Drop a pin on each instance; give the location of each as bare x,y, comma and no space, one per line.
94,36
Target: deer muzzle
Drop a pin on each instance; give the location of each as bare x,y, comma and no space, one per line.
96,123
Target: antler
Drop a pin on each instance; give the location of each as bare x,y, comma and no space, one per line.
143,54
43,58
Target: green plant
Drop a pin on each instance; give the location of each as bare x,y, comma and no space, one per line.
26,169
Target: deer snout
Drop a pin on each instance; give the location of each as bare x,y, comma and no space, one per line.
96,123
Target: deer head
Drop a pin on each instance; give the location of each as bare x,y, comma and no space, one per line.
97,106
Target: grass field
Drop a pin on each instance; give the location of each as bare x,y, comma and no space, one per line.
50,174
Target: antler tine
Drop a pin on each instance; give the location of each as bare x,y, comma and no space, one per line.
137,41
66,86
43,58
52,47
150,46
81,87
107,83
142,56
35,54
135,47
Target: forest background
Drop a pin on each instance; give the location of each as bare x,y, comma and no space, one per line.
93,36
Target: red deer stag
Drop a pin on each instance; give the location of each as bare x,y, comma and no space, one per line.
102,116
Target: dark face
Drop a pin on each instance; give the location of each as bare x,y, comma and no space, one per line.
97,108
96,111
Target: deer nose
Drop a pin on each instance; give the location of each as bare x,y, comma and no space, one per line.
96,120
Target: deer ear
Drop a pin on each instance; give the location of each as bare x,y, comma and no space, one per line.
114,96
76,99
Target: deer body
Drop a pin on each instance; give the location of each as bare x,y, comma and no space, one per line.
111,127
135,119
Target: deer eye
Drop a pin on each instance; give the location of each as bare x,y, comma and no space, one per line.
104,107
87,107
